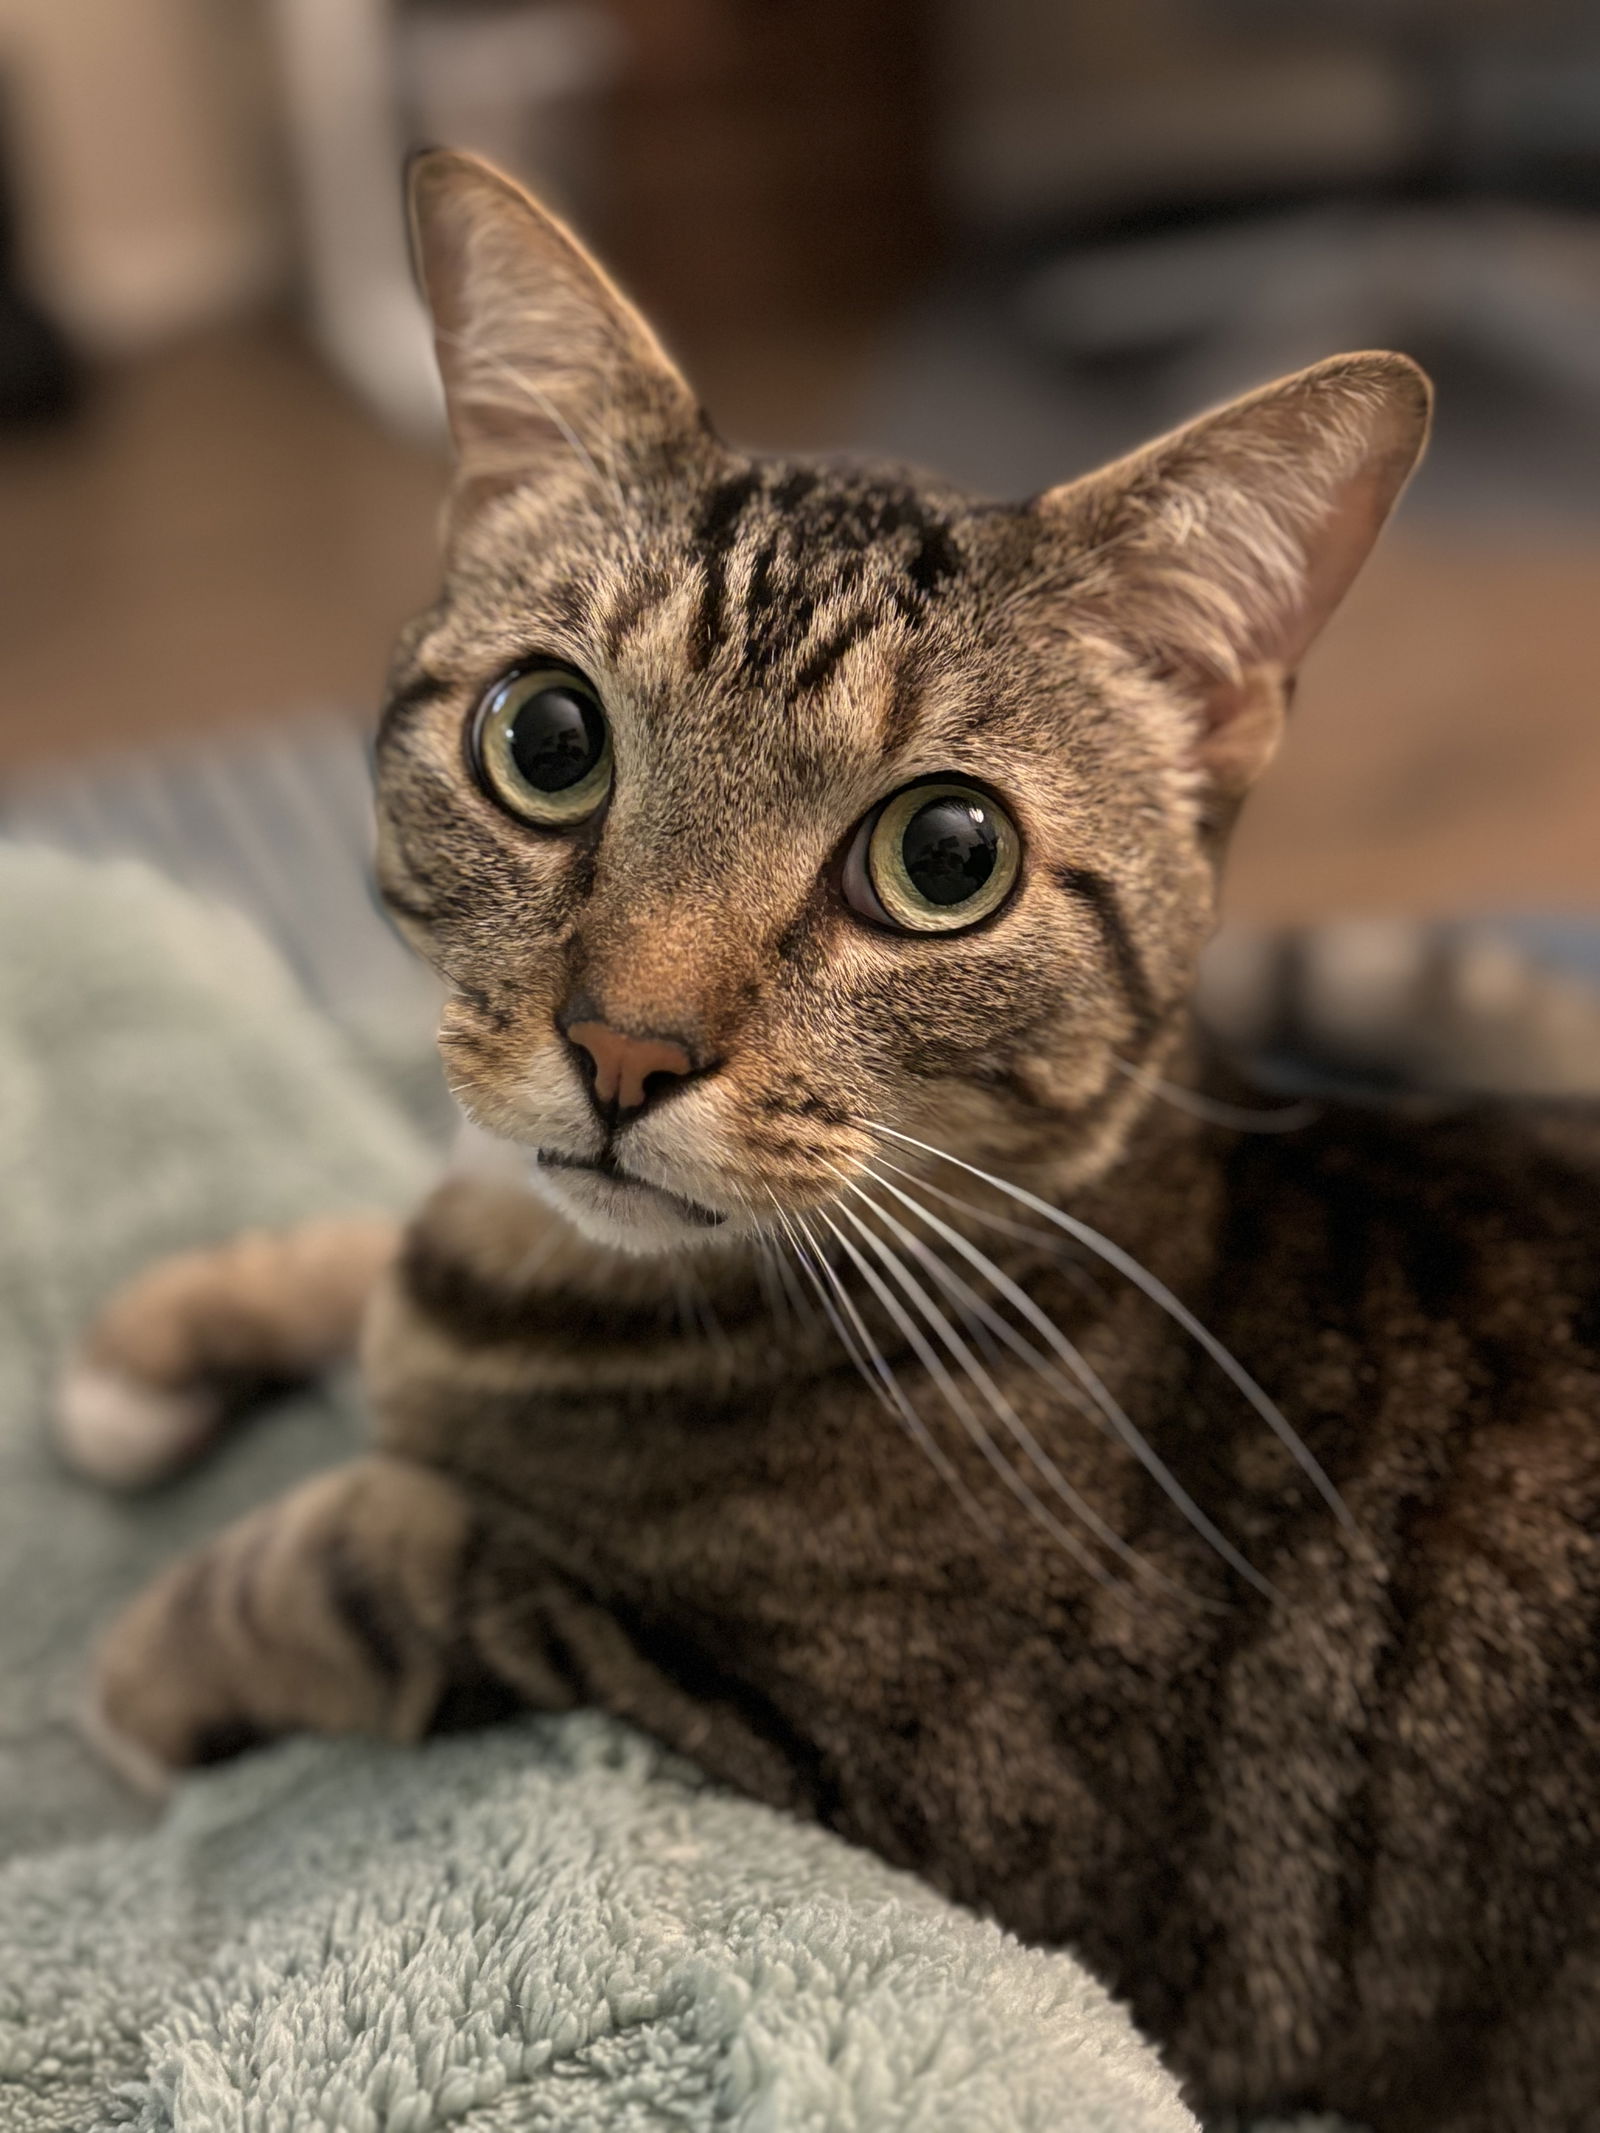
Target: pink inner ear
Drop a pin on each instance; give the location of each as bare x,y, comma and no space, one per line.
1243,720
1244,715
1335,552
1217,554
537,347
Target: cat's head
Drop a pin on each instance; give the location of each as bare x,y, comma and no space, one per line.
748,805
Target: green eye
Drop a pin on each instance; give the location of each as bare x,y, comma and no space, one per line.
934,859
542,747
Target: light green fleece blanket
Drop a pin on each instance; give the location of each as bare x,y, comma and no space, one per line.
553,1925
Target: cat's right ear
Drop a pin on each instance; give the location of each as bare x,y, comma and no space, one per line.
1217,553
546,366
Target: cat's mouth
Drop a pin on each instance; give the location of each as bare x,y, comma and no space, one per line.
623,1193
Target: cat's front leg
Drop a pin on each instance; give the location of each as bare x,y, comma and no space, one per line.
337,1609
176,1349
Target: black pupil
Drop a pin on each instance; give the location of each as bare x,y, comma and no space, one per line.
556,738
949,849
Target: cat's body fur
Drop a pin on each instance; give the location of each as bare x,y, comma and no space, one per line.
1329,1816
1338,1850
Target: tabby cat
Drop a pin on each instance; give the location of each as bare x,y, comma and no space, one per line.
865,1346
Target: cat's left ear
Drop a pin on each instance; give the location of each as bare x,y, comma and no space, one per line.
546,365
1216,554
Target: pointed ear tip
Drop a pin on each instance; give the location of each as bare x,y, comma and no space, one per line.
431,170
1397,383
1391,371
426,172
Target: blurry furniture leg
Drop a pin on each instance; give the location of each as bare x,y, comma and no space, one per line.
39,378
347,141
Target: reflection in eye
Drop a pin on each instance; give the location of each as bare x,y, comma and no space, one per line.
935,858
542,747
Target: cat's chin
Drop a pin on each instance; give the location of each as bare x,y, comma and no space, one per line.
623,1214
606,1207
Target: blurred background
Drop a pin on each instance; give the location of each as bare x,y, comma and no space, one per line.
1003,237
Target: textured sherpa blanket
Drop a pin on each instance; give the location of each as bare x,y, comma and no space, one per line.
552,1925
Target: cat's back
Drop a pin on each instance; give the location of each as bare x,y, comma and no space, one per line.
1423,1295
1485,1217
1418,1708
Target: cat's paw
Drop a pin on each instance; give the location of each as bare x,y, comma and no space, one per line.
126,1434
180,1349
128,1757
167,1690
162,1368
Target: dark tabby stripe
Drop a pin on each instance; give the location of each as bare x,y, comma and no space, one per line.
1096,892
716,533
407,702
357,1601
819,664
686,1658
474,1310
636,600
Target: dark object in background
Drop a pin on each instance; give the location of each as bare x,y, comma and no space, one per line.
40,381
772,165
1477,231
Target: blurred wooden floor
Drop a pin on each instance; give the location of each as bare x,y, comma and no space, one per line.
223,537
227,538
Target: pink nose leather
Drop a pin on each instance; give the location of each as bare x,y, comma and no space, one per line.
622,1064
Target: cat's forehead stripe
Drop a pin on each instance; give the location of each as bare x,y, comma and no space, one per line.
797,566
821,661
636,597
715,534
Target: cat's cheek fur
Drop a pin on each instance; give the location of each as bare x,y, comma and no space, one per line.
522,1085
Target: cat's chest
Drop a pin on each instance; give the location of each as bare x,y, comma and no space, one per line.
731,1460
806,1527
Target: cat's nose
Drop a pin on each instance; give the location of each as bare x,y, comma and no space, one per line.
628,1072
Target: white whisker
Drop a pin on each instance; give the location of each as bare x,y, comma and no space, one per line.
874,1366
1059,1247
766,1277
857,1344
1238,1118
1159,1294
1002,1408
783,1299
955,1398
805,1311
1090,1385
